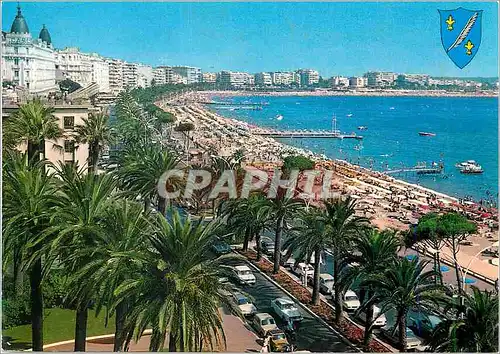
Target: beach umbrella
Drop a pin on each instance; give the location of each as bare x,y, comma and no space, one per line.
411,257
444,268
470,281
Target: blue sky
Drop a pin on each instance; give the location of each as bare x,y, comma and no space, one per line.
334,38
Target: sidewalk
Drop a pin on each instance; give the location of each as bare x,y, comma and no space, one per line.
239,339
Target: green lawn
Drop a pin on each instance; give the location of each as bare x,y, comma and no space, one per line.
58,325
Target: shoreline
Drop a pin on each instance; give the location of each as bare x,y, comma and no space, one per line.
352,93
387,201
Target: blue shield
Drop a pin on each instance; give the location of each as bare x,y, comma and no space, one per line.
460,34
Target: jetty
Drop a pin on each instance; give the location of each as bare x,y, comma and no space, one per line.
420,170
306,134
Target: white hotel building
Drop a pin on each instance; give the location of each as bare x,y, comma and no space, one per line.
28,62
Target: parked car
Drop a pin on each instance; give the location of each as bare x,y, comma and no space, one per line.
302,269
244,274
380,319
286,309
267,247
326,283
263,323
243,304
421,324
351,301
278,340
220,247
391,333
287,262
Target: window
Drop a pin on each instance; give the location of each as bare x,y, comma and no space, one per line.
69,146
16,61
16,74
69,122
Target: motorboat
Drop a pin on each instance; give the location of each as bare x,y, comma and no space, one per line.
426,134
279,117
362,127
469,167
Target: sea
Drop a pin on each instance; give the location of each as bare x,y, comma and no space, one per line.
466,128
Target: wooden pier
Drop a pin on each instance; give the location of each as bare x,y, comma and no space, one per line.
307,134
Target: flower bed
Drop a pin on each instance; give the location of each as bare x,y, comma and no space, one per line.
352,332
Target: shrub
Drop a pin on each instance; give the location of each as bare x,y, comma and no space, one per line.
16,311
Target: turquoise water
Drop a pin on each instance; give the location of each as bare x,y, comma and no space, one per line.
465,128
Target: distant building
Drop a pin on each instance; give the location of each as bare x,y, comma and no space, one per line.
357,82
263,79
28,62
380,79
415,79
83,68
209,77
284,78
130,75
236,79
145,75
339,81
308,77
161,73
116,79
191,74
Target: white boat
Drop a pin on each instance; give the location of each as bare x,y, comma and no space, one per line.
469,167
279,117
349,115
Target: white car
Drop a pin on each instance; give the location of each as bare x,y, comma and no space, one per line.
380,319
302,269
326,283
243,305
286,309
263,323
244,274
351,301
287,262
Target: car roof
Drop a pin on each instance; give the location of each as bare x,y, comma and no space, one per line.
239,295
350,293
262,315
276,331
283,300
242,267
326,276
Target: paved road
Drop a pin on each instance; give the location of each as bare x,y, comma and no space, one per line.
312,334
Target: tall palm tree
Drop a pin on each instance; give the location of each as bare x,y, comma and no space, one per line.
81,207
310,237
97,133
33,123
283,210
29,199
373,251
343,226
406,286
141,169
176,289
124,229
473,327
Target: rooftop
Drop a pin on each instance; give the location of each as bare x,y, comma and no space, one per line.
19,25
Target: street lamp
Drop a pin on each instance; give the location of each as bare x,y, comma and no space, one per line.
495,244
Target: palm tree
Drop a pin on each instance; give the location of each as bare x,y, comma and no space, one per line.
176,289
29,198
97,133
373,251
310,237
343,226
124,228
33,123
473,328
282,211
81,207
140,172
403,287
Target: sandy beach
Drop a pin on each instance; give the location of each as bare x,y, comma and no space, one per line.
388,202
